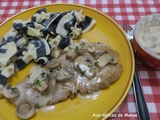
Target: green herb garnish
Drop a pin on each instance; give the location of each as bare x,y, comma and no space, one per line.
89,65
37,82
43,73
96,63
55,76
37,96
78,48
59,68
82,73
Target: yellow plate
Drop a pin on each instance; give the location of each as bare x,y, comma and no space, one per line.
105,30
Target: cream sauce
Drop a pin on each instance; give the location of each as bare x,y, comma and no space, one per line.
92,96
47,108
149,39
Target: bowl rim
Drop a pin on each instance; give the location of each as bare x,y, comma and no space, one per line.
135,36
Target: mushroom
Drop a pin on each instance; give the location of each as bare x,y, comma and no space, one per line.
110,57
72,54
25,110
80,48
53,63
103,60
100,49
64,72
10,92
91,47
51,83
41,86
45,83
85,65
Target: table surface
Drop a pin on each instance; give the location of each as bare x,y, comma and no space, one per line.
123,12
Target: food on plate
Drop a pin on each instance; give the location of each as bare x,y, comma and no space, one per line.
81,68
34,39
66,68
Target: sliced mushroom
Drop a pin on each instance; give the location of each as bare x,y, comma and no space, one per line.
104,60
51,83
53,63
64,72
10,92
84,65
42,86
114,55
100,49
72,54
25,110
110,56
91,47
80,48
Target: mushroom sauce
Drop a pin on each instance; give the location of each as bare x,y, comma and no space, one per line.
149,39
67,68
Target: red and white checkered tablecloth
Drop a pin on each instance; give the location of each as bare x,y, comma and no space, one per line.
122,11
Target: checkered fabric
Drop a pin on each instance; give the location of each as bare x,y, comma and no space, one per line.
123,12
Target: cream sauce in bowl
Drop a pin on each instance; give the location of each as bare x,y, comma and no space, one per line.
149,39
